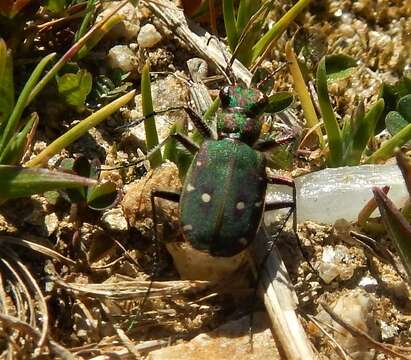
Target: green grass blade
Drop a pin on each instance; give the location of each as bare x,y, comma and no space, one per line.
364,130
16,181
79,130
73,51
86,20
6,82
149,123
278,28
22,102
330,122
388,147
398,228
246,10
14,150
97,36
302,92
230,24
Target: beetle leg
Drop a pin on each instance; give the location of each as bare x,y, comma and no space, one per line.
280,180
266,145
191,146
182,139
166,195
198,122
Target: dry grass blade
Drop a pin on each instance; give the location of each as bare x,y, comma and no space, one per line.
377,250
280,301
38,248
126,290
40,298
16,324
18,292
335,345
121,333
364,336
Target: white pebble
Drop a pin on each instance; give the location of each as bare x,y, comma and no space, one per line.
148,36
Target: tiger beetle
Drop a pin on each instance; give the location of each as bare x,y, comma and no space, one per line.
222,201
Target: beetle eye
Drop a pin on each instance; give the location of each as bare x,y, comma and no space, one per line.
225,96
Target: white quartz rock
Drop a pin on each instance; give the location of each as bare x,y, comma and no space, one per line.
339,193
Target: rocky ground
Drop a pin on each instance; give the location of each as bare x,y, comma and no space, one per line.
95,292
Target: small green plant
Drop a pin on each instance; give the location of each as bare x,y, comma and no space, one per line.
397,97
100,196
245,26
17,130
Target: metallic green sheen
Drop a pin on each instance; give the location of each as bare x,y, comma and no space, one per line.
222,201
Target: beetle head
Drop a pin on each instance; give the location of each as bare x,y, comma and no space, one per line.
241,111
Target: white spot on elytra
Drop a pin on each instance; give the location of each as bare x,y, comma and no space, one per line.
258,204
243,241
199,163
206,197
190,187
187,227
240,205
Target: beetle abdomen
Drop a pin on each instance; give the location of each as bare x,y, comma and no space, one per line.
223,197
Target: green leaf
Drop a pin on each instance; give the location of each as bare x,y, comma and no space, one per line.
16,181
404,107
395,122
74,88
55,6
331,125
6,82
102,196
279,102
398,228
339,66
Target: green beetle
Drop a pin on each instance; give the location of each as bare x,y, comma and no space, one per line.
223,198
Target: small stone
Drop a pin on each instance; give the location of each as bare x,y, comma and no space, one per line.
388,332
114,219
51,223
335,261
355,308
198,69
123,58
130,25
328,272
148,36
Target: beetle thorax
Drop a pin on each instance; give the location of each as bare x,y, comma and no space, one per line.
239,118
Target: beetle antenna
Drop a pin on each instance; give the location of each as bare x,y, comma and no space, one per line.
228,72
271,75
